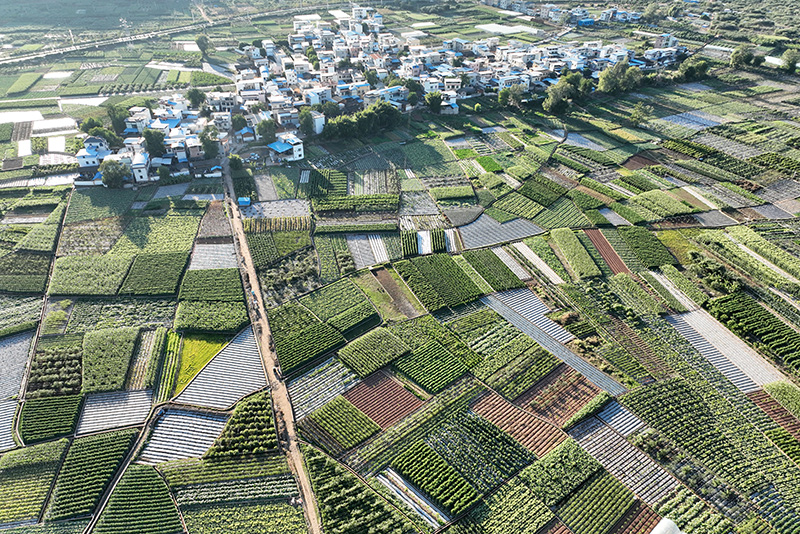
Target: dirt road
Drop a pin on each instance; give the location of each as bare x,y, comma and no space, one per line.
280,394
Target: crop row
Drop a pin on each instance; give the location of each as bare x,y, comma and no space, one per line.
597,506
342,422
432,366
250,430
575,253
428,471
207,316
372,351
492,269
518,205
650,251
212,284
749,320
88,467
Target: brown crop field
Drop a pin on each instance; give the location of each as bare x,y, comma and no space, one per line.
383,400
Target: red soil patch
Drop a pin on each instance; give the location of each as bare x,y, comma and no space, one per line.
608,253
776,412
536,435
383,400
559,395
640,518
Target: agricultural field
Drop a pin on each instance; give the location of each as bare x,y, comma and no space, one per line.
537,315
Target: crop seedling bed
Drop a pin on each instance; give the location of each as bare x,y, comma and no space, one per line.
211,316
339,426
76,494
212,285
50,417
155,274
372,351
432,366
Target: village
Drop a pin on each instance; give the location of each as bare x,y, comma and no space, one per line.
285,92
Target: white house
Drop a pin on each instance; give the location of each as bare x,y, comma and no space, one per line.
94,151
288,147
319,121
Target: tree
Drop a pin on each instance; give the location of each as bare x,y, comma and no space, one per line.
640,113
236,163
114,173
632,79
619,77
434,101
209,139
413,98
238,122
652,14
693,69
330,110
306,122
741,57
515,93
558,95
163,173
196,97
90,123
372,78
111,138
789,59
478,108
117,116
203,43
266,130
154,141
504,96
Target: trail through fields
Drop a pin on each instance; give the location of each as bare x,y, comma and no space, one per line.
280,395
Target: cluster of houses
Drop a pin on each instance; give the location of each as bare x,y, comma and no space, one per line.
319,65
348,63
577,16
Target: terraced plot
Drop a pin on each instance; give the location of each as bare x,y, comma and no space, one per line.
237,370
222,256
7,410
486,232
180,434
649,481
14,352
104,411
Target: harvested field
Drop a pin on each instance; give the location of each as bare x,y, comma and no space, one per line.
638,162
383,399
535,434
91,237
776,412
608,253
558,396
215,223
640,518
390,285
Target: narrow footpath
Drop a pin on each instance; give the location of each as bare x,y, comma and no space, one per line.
280,394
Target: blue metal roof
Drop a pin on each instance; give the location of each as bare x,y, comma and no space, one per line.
280,147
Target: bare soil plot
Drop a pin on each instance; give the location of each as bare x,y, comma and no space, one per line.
640,518
637,162
398,297
91,237
215,222
277,209
383,399
559,395
607,252
535,434
265,187
771,211
714,219
177,190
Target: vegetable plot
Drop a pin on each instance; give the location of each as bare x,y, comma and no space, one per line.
250,430
339,426
87,470
372,351
106,356
432,366
140,503
575,254
429,472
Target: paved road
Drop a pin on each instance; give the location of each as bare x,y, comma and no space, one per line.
280,394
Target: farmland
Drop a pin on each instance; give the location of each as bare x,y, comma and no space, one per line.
570,311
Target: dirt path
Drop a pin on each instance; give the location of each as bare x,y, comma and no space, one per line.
280,395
